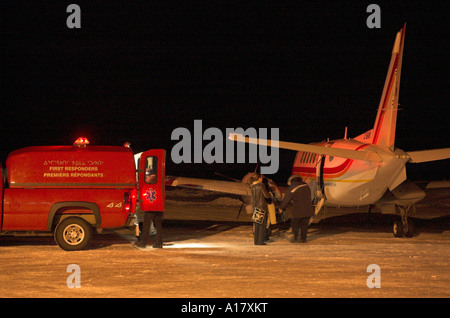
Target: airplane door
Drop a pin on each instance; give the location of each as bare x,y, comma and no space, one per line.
152,165
319,177
320,183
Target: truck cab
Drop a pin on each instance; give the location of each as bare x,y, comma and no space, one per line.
75,190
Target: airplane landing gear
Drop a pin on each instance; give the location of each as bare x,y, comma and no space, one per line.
403,226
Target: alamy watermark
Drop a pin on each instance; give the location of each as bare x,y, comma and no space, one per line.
374,279
373,21
73,21
74,279
221,149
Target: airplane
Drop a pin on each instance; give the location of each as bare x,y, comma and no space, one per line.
365,170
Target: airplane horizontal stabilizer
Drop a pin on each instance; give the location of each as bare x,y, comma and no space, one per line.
429,155
337,152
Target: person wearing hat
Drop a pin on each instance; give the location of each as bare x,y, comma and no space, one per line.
302,209
260,208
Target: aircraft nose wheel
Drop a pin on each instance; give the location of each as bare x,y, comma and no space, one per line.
399,229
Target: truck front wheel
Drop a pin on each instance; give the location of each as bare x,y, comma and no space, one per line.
73,234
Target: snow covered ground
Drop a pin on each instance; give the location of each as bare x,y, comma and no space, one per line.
216,258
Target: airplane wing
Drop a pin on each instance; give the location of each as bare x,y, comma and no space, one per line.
429,155
229,187
430,199
337,152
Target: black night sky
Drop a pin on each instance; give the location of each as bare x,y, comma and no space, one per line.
136,70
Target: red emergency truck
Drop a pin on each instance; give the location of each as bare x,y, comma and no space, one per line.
73,191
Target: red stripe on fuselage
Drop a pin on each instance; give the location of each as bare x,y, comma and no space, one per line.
334,170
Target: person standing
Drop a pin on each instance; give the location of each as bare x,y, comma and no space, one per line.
151,220
260,209
156,219
148,223
300,195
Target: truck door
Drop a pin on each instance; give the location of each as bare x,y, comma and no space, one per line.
1,196
152,165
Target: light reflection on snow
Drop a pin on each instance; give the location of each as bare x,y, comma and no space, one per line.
191,245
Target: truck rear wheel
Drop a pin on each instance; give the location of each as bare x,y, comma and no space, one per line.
73,234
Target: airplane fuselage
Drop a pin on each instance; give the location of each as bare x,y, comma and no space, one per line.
350,182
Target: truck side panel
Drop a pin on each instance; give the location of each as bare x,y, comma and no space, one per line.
71,167
28,209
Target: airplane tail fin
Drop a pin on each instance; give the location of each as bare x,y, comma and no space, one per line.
383,132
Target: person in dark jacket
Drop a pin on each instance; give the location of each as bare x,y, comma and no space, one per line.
149,225
260,209
300,195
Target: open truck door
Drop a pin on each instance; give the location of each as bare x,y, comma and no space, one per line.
152,191
2,183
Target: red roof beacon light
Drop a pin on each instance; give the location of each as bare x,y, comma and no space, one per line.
81,142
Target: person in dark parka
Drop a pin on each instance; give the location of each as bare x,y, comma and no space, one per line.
300,195
259,196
